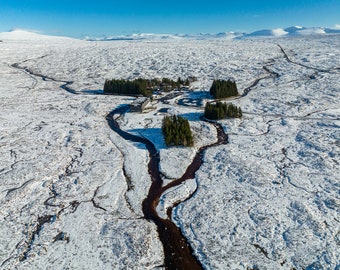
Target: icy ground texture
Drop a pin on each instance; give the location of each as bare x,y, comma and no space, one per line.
71,189
61,166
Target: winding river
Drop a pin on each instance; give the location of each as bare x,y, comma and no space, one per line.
177,251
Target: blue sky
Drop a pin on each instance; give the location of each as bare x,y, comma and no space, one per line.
96,18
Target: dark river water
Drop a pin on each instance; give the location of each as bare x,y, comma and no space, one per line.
177,251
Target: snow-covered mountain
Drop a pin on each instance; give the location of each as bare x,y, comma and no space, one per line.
19,34
265,33
292,31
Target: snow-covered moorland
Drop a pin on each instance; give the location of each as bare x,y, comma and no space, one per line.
71,189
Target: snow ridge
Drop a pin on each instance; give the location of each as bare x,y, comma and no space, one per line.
27,35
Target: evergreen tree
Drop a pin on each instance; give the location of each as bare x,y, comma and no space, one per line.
179,82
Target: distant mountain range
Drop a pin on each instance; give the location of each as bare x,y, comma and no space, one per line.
143,36
292,31
266,33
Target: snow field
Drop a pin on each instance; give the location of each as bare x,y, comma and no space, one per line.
268,199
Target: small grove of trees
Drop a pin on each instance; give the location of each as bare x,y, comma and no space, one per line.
221,110
223,89
176,130
168,84
126,87
142,86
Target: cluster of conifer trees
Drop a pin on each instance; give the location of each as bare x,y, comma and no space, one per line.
142,86
221,110
176,130
126,87
223,89
169,84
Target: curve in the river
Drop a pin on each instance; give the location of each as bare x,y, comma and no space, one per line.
177,251
64,86
272,74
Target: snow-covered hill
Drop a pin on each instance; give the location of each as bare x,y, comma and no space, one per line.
25,35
